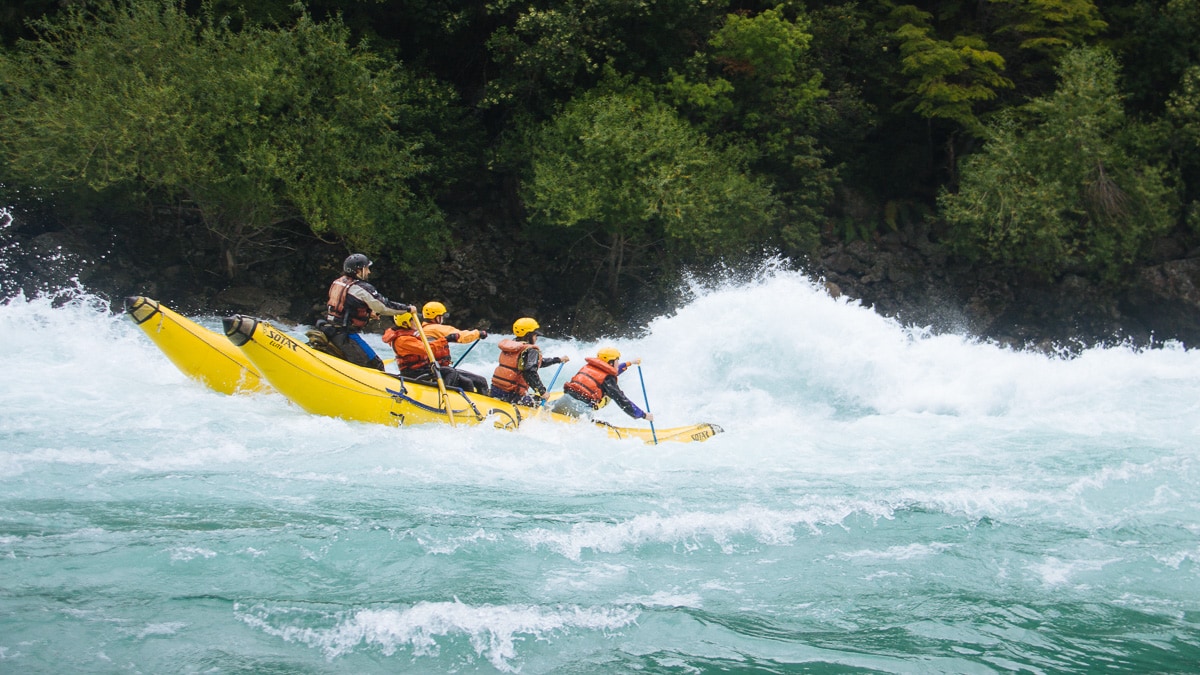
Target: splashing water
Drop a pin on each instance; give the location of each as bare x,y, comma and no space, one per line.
883,500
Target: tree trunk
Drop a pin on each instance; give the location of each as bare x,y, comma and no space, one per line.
616,261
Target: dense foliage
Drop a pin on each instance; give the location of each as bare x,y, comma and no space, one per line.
1040,136
1076,186
252,127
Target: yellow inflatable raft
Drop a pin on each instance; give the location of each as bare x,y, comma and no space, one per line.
326,385
268,359
200,353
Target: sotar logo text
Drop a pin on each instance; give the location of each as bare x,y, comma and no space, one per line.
280,340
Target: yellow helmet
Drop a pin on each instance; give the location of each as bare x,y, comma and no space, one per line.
608,354
403,320
433,310
525,326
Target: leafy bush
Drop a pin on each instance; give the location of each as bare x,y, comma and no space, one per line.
1071,186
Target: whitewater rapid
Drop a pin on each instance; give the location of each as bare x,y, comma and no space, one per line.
883,499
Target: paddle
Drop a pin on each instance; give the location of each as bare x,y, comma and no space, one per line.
552,381
653,433
464,354
436,371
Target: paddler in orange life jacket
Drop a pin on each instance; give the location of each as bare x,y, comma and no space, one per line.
520,359
412,359
595,385
435,326
352,303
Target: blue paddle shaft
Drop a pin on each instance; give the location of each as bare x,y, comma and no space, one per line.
552,381
653,433
464,355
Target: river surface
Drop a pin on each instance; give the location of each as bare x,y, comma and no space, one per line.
883,500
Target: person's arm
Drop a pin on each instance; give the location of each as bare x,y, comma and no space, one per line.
463,337
535,382
455,335
366,294
531,360
613,391
438,330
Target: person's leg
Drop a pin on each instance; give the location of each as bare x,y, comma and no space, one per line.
496,392
452,378
372,359
349,349
423,376
569,405
356,350
473,382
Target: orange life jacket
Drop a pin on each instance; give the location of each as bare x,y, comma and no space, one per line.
587,382
337,304
508,376
441,349
410,351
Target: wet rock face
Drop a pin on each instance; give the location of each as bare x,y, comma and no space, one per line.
1174,281
909,277
254,301
1166,299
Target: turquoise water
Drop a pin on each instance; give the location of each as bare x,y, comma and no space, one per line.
883,500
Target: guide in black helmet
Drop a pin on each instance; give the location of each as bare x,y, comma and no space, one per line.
352,303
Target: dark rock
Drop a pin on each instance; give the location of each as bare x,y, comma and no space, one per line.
254,301
487,280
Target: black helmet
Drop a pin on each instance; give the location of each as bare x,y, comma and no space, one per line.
355,263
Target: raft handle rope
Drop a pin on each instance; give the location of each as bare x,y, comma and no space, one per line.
402,395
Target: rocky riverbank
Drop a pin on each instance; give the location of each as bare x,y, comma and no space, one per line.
906,275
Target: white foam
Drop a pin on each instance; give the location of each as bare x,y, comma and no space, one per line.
905,552
161,629
491,629
186,553
1053,571
694,530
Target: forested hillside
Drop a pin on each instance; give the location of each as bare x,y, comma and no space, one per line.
577,157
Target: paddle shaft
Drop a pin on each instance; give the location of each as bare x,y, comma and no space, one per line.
464,354
646,398
436,371
552,381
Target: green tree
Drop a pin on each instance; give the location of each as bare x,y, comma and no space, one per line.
946,79
549,50
1183,114
1052,26
1035,34
623,169
254,127
1157,43
1077,188
755,88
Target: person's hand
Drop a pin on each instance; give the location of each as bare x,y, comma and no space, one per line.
636,362
564,359
542,392
649,417
412,309
482,334
453,337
